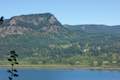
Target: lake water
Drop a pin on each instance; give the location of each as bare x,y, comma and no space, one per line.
42,74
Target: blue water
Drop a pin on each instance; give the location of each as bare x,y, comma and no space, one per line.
36,74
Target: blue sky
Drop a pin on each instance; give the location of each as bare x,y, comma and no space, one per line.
67,11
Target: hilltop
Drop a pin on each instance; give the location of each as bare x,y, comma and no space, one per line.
42,39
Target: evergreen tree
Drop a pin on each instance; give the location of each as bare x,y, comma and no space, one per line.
1,20
13,61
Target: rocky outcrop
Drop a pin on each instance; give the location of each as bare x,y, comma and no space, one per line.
34,22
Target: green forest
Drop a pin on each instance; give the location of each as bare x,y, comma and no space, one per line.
89,45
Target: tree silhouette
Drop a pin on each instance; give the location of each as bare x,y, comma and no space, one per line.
1,20
13,61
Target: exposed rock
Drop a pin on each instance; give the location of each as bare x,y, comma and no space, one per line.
11,30
34,22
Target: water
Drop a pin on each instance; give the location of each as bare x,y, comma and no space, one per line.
37,74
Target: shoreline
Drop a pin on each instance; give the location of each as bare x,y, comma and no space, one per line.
63,67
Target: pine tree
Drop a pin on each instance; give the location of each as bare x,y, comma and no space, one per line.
13,61
1,20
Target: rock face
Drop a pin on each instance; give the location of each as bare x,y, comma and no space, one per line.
34,22
11,30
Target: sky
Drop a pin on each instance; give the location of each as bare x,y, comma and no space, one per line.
72,12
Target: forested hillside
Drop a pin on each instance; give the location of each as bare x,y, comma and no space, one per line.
42,39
